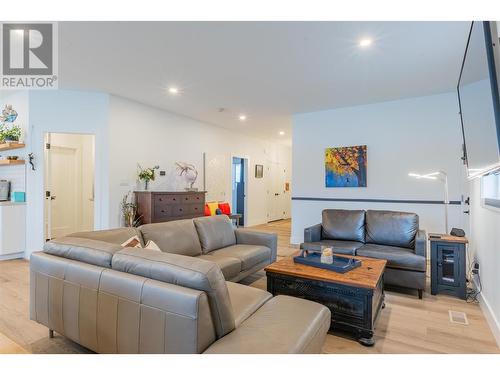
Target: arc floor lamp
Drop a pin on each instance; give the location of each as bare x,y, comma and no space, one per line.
443,177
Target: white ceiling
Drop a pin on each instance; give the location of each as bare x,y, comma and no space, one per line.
267,70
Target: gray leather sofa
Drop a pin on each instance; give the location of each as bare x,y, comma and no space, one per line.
390,235
111,299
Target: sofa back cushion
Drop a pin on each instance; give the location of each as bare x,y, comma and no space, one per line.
85,250
116,236
175,237
215,232
347,225
189,272
391,228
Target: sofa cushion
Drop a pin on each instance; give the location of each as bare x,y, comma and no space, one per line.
282,325
249,255
346,225
246,300
175,237
397,257
391,228
229,266
215,232
84,250
190,272
115,236
338,247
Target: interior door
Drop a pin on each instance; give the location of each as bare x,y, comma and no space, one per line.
69,184
63,198
276,197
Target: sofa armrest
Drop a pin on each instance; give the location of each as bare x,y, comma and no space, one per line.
250,237
312,234
421,243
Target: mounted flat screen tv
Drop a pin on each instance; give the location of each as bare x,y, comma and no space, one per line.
478,96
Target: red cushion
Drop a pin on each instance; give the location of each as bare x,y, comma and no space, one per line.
224,207
207,211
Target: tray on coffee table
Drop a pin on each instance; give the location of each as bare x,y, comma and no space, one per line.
340,264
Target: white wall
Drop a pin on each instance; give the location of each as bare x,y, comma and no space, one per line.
65,112
412,135
149,136
484,246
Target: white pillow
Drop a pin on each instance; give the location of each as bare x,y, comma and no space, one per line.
152,246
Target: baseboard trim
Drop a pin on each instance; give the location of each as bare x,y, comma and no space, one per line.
490,316
12,256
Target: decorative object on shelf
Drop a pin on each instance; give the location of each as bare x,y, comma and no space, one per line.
12,157
18,196
345,166
9,114
147,174
259,171
129,211
189,173
10,133
443,177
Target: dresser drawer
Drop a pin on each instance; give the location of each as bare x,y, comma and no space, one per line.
162,199
163,211
191,198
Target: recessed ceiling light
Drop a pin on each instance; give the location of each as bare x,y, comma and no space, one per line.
365,42
173,90
242,117
282,132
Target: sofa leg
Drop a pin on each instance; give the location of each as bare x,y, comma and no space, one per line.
51,333
420,293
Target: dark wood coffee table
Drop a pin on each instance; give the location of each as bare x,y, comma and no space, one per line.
355,298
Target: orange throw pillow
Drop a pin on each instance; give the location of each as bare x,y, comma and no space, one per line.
207,210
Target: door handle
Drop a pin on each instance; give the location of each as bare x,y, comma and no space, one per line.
467,212
52,197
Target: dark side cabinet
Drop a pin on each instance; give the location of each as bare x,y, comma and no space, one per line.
159,206
448,264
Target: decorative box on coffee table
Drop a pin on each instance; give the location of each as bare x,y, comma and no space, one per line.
448,264
355,298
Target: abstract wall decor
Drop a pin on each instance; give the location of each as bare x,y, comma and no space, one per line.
345,166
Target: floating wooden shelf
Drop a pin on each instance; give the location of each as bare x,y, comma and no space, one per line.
11,146
6,162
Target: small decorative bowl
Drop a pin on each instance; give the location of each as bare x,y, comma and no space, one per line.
12,157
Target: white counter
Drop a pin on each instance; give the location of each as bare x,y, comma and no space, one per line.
12,229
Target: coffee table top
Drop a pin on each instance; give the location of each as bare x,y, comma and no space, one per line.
366,276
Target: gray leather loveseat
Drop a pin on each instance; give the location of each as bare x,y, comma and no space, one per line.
112,299
390,235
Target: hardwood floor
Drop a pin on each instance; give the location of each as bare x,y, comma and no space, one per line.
406,325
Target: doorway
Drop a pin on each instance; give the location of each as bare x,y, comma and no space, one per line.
69,184
238,182
277,197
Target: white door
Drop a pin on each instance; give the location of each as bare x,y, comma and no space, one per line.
69,182
276,195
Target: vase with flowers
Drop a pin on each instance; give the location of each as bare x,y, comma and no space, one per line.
146,174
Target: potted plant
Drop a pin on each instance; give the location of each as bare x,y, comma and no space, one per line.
129,211
146,175
10,134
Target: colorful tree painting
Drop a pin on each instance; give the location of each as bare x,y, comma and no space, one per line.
345,166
